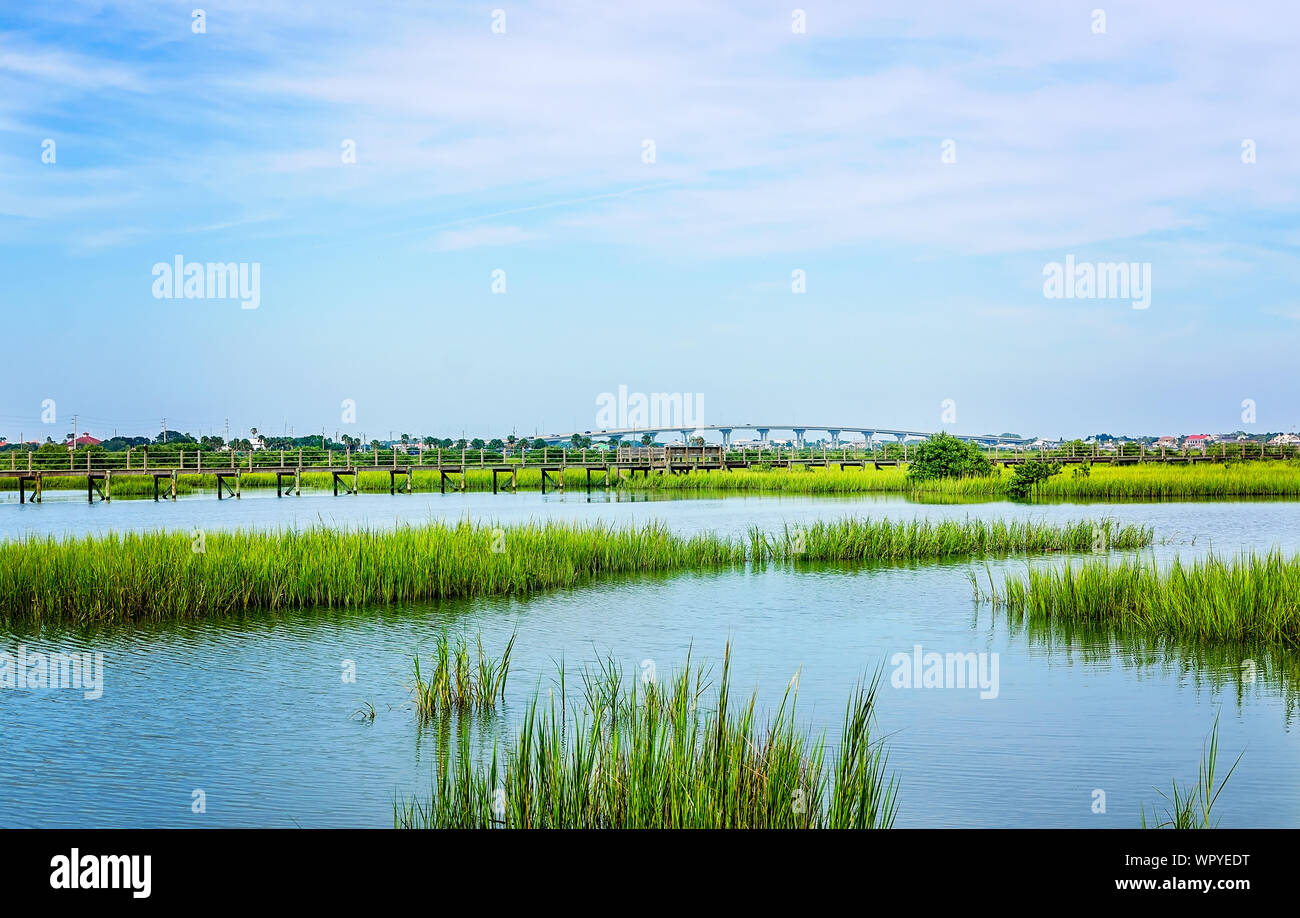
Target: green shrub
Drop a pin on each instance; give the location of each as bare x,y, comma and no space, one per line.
1027,475
945,456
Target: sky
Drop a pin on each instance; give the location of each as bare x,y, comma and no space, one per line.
473,219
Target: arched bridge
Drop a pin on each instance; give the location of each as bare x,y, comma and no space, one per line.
800,432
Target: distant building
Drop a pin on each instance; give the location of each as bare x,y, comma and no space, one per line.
83,440
1285,439
1167,443
1196,441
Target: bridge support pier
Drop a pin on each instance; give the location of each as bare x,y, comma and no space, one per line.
726,437
835,438
762,434
798,436
557,482
37,489
171,484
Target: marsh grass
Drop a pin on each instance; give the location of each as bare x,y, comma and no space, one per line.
1148,481
653,756
884,540
1193,807
163,576
1247,599
458,685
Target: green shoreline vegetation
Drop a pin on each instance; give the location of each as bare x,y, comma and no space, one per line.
1151,481
1245,599
653,756
173,575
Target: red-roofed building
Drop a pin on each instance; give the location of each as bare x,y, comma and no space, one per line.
1196,441
84,440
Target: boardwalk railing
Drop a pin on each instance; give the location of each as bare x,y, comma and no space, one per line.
140,460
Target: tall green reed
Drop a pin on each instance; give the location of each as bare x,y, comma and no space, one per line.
1248,598
1193,807
654,756
458,685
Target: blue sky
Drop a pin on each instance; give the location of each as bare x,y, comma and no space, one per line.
775,151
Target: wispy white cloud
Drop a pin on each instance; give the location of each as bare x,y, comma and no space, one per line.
58,68
772,141
455,240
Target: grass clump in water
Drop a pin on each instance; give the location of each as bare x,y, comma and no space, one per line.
457,685
1246,599
886,540
1193,807
654,757
161,576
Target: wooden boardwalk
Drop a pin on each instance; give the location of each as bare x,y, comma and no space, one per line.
602,468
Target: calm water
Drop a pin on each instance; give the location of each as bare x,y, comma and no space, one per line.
255,713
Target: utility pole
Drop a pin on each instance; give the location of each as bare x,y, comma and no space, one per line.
74,432
227,431
164,430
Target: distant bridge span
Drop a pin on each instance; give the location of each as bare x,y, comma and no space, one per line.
763,430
